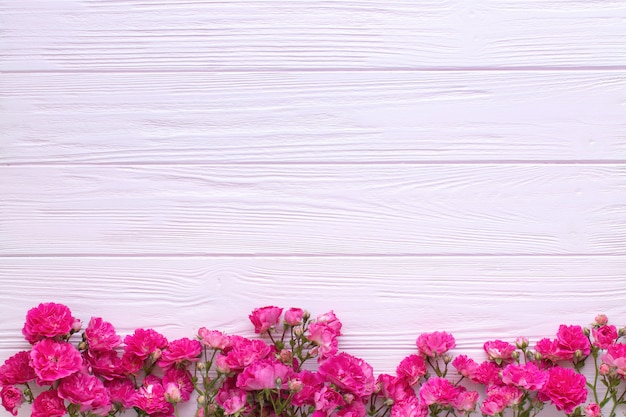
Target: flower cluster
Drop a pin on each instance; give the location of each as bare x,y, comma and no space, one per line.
295,369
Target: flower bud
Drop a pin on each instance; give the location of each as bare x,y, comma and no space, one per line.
82,346
389,402
348,398
156,355
593,410
601,320
286,356
578,354
521,342
201,366
295,385
586,331
298,331
604,369
622,332
446,358
77,325
172,393
201,399
538,356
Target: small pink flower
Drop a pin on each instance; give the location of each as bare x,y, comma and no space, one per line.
493,404
180,352
573,342
293,316
266,373
526,376
213,339
311,383
604,336
438,391
325,339
232,399
100,335
409,407
394,388
47,320
565,389
511,395
265,318
151,397
54,360
355,408
331,320
172,393
48,404
593,410
86,391
465,401
601,320
12,398
106,364
615,357
121,391
17,369
327,400
244,351
349,373
412,368
499,351
550,350
464,365
144,342
486,373
181,378
435,343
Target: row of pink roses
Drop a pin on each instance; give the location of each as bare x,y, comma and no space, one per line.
96,373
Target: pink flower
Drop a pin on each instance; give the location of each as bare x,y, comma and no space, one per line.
87,391
151,398
54,360
232,399
355,408
510,394
550,350
213,339
293,316
100,335
327,400
409,407
48,404
438,391
465,366
601,320
349,373
244,351
17,369
465,401
615,357
565,389
412,368
394,388
266,373
121,391
172,393
180,353
493,405
604,336
311,383
593,410
435,343
12,398
181,378
325,339
526,376
47,320
499,351
265,318
486,373
331,321
573,342
144,342
105,364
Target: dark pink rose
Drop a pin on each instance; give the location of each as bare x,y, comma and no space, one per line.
213,339
293,316
499,351
412,368
573,342
17,369
349,373
265,318
409,407
54,360
551,351
355,408
245,351
464,365
493,404
512,395
180,352
324,338
565,388
311,383
86,391
327,400
394,388
121,391
181,378
331,320
486,373
48,404
615,358
232,399
12,398
47,320
266,373
144,342
100,335
106,364
151,398
526,376
435,343
604,336
438,391
465,401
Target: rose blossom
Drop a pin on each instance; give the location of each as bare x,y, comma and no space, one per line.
615,357
12,398
526,376
325,339
465,401
266,373
180,352
311,383
265,318
565,389
231,398
144,342
550,350
87,391
47,320
100,335
435,343
593,410
573,342
349,373
499,351
464,365
181,378
512,395
409,407
412,368
54,360
438,391
48,404
213,339
17,369
601,320
121,391
293,316
355,408
244,351
493,405
327,400
394,388
486,373
151,397
331,321
604,336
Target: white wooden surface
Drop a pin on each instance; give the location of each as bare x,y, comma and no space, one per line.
413,165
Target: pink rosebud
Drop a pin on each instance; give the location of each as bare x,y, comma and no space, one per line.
521,342
54,360
265,318
48,404
435,343
601,320
604,369
293,316
213,339
172,393
499,351
47,320
12,398
604,336
593,410
77,325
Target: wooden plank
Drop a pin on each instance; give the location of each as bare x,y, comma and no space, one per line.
384,302
312,117
211,35
314,209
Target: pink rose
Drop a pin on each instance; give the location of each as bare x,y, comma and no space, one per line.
12,398
54,360
48,404
181,378
17,369
121,391
526,376
601,320
100,335
438,391
244,351
493,404
615,357
465,401
435,344
144,342
47,320
151,397
565,389
349,373
573,342
487,373
409,407
266,373
327,400
355,408
232,399
394,388
593,410
87,391
293,316
511,395
499,351
550,350
412,368
325,339
265,318
311,383
604,336
331,321
213,339
464,365
105,364
180,353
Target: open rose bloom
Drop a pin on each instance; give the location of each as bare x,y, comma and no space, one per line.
294,367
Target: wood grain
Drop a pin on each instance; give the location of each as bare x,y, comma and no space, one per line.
384,302
80,35
314,209
305,117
